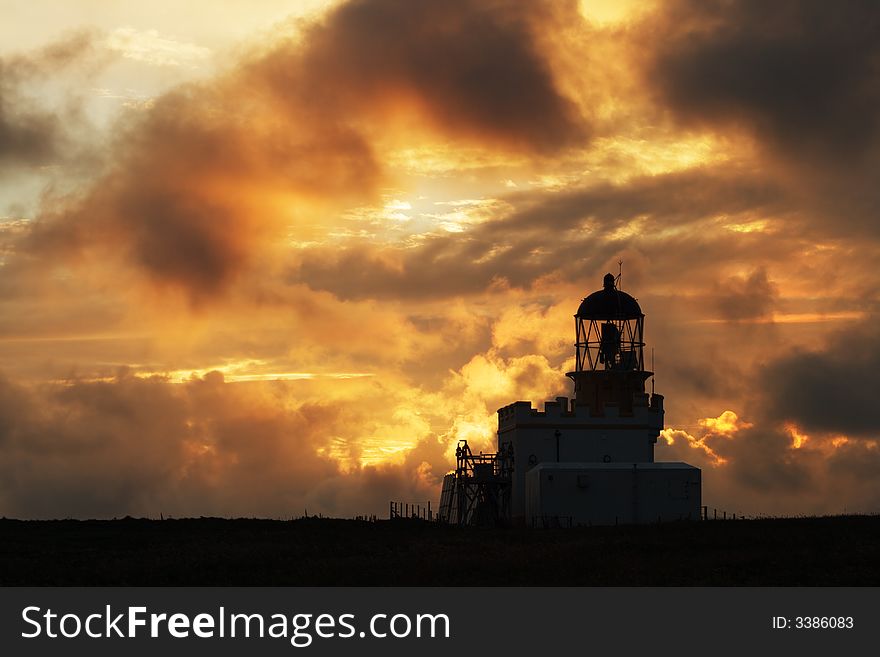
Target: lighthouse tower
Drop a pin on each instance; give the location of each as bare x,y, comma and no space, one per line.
590,460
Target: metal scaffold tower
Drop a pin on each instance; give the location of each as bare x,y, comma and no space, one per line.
478,491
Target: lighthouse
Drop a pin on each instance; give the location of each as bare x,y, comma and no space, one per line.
588,460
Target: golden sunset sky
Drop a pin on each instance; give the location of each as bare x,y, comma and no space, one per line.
264,257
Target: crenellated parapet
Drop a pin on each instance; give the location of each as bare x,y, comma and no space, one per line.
646,413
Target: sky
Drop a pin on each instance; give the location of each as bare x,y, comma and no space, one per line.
273,258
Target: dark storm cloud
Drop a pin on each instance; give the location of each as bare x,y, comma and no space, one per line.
25,137
187,197
833,390
803,73
762,459
800,75
30,135
473,67
570,233
179,239
857,460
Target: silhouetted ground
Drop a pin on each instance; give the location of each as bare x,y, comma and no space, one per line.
840,551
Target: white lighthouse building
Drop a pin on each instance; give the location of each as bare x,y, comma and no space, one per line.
587,460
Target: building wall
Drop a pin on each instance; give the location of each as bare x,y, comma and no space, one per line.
583,437
611,493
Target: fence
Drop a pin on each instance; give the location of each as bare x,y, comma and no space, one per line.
551,522
705,515
406,510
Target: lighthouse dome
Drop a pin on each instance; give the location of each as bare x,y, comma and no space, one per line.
609,303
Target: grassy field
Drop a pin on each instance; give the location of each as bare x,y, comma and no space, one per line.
828,551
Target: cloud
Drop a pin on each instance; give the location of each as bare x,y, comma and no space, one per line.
493,80
744,298
798,76
755,468
211,174
144,445
152,48
269,219
30,134
193,190
799,73
810,440
566,233
206,447
829,390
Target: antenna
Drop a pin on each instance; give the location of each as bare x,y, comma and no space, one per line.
652,370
